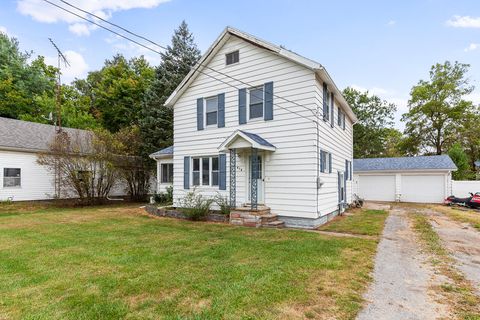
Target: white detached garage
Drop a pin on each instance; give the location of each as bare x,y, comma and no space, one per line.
424,179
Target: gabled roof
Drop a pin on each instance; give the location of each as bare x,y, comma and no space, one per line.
253,139
164,153
226,34
442,162
30,136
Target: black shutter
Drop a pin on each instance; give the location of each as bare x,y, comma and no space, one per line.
242,106
186,172
332,103
200,114
222,184
221,110
325,102
330,163
268,88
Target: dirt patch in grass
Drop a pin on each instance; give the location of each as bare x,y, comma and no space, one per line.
358,221
113,263
457,289
463,215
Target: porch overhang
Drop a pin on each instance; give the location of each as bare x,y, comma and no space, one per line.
245,140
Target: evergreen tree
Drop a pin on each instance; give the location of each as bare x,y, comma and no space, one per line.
156,123
460,159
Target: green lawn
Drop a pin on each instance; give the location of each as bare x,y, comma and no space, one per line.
362,222
118,263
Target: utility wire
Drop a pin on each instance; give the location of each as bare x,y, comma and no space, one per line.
163,47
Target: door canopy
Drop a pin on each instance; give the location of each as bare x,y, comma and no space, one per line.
245,140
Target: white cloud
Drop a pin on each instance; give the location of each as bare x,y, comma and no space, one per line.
3,30
374,90
391,23
472,47
44,12
464,22
78,67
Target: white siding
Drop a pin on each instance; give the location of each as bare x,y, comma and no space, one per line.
291,171
36,181
161,187
339,143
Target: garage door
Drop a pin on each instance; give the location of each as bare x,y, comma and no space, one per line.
377,188
426,188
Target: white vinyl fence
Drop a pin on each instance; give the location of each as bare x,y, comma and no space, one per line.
462,188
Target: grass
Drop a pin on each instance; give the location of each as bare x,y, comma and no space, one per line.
117,263
469,216
362,222
458,290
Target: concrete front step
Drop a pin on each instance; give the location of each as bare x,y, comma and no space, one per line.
274,224
268,218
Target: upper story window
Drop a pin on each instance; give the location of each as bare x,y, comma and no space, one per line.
256,102
341,119
211,111
11,177
232,57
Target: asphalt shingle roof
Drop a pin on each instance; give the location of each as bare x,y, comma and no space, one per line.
404,163
257,139
31,136
163,152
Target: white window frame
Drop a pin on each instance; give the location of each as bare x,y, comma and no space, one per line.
210,171
233,63
326,157
167,164
205,125
19,178
263,103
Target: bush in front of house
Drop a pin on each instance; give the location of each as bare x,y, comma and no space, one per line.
223,204
195,206
164,197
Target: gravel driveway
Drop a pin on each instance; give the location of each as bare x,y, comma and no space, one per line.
402,277
463,243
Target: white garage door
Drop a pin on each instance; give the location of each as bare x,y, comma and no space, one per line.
377,188
427,189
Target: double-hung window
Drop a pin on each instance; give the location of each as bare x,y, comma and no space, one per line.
211,111
167,172
256,102
205,171
325,162
232,57
11,177
341,119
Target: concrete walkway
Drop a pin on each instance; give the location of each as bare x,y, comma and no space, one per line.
402,277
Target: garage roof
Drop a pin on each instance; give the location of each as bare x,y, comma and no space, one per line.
442,162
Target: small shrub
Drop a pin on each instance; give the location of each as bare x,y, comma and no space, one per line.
223,203
195,206
164,197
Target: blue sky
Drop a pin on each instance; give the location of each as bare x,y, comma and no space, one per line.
384,46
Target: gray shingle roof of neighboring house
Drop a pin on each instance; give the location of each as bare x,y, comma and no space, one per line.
164,152
29,136
404,163
257,139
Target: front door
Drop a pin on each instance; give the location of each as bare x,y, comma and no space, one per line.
259,176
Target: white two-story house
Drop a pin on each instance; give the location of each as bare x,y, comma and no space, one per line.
264,127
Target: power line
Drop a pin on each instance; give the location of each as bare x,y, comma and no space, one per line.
165,48
158,52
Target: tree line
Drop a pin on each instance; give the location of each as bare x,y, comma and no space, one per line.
128,95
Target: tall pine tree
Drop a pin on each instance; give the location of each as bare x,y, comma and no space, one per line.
156,123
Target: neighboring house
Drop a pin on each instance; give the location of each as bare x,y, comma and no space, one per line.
426,179
164,159
263,127
21,177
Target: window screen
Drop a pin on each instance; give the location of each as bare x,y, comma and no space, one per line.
11,177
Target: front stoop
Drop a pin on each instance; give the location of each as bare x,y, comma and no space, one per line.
245,216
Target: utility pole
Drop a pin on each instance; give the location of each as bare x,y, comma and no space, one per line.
61,58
